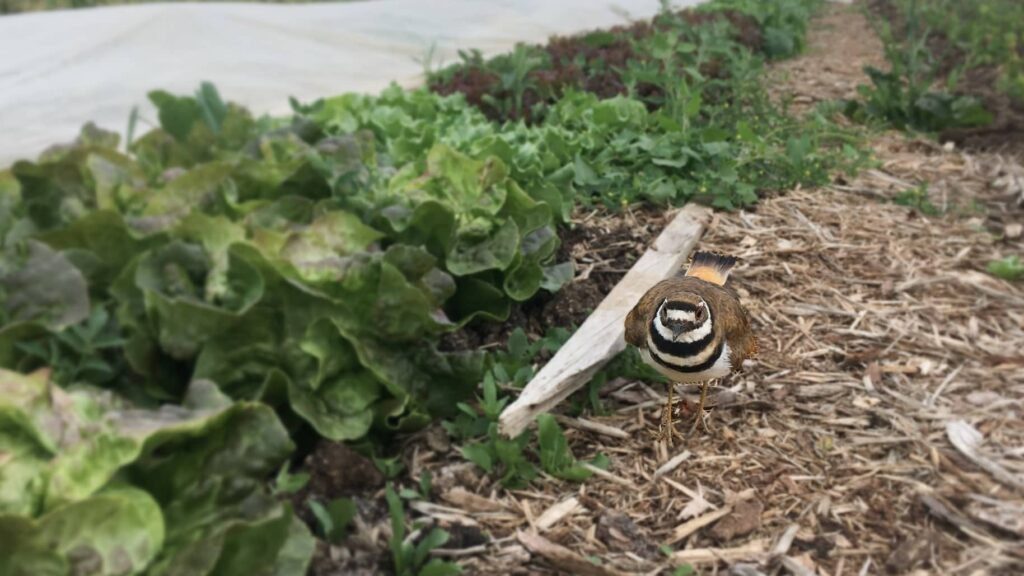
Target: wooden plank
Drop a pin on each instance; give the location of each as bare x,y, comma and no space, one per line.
602,335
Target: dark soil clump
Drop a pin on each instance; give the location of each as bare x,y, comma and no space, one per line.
337,471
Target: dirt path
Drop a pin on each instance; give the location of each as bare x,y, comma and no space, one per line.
889,362
840,43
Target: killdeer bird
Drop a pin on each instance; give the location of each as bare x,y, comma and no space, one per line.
692,328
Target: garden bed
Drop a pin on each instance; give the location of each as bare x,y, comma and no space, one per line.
295,335
975,48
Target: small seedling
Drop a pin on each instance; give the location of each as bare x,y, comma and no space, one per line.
333,519
555,455
917,198
684,570
422,491
1009,268
412,559
289,483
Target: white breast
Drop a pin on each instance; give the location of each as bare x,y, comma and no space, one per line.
720,369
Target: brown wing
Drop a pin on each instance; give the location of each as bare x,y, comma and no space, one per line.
734,321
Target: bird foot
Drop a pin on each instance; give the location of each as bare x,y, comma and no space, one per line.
667,431
702,421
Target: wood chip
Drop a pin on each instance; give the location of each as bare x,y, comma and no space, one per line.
462,498
557,513
591,426
744,519
967,440
796,568
561,557
609,476
672,464
753,551
689,527
785,541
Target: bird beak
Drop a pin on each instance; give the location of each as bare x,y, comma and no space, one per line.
677,330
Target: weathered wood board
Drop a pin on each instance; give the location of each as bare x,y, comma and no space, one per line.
602,335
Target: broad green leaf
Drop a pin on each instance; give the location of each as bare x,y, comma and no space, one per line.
204,464
296,553
335,517
57,188
106,236
476,297
173,280
338,396
472,252
44,286
215,234
434,539
177,114
438,567
210,482
201,188
328,237
116,179
478,454
76,440
114,532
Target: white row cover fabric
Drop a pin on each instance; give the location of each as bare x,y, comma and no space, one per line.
59,70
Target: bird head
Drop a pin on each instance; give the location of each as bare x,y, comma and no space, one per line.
682,313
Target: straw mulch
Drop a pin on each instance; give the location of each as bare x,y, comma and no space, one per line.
879,430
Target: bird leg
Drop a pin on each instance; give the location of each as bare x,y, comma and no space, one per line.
700,408
668,430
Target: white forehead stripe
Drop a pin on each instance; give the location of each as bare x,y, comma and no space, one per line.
681,315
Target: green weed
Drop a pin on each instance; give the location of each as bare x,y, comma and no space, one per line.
423,488
287,482
511,460
1009,268
334,518
684,570
903,97
80,352
917,198
983,33
413,559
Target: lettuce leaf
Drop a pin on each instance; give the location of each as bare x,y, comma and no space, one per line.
96,485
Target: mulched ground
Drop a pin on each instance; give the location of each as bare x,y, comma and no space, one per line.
880,430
